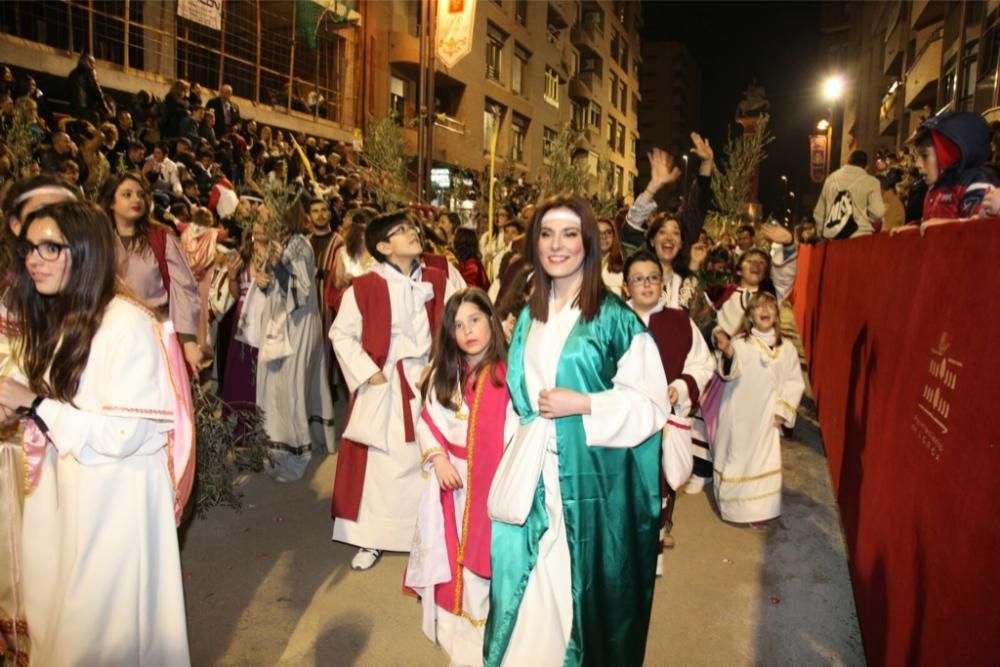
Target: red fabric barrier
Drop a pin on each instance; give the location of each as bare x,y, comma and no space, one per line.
902,347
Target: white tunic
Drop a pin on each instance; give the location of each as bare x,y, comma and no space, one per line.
101,565
393,484
460,636
762,383
624,416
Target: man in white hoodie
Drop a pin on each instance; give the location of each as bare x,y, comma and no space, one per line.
851,201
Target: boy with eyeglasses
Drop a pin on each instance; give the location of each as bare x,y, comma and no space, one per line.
382,336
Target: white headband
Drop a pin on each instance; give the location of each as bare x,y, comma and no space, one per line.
45,190
561,213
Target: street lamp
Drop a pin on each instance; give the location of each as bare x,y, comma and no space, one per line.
823,125
684,178
833,88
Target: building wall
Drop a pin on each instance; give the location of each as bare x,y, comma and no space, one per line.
145,45
910,60
464,92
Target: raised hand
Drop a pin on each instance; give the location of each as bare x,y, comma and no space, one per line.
663,171
704,151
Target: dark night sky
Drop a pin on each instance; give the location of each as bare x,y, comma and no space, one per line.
733,42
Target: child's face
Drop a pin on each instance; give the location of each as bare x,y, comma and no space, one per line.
472,331
764,316
752,270
403,242
644,284
927,164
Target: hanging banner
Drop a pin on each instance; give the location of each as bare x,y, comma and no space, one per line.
455,22
818,149
205,12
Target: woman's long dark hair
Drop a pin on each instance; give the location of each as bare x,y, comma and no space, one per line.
465,244
74,315
448,366
107,200
592,290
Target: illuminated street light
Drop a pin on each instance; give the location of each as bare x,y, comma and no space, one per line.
823,125
833,88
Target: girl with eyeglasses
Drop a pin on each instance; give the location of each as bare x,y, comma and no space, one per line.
108,444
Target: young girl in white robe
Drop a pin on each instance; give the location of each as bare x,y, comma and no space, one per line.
461,439
762,392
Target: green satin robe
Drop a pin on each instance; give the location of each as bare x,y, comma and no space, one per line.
611,505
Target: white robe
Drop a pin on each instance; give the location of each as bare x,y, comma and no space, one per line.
460,636
624,416
761,384
101,564
698,363
293,391
393,484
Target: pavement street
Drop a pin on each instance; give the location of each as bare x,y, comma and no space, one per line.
267,586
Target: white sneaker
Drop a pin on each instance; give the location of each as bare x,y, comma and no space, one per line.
659,565
365,559
695,485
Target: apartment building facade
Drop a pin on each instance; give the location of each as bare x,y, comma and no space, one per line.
908,60
534,67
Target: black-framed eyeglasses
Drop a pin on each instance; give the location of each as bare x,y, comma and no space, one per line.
652,279
399,229
47,250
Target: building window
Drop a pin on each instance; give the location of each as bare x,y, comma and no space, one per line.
621,139
517,70
612,127
551,86
635,146
635,104
615,45
593,19
521,11
591,64
619,180
613,89
494,53
548,139
594,115
518,131
623,96
579,117
397,99
623,59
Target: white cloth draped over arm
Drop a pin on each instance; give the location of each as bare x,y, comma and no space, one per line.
444,421
636,406
185,298
700,365
297,259
133,410
345,334
791,385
